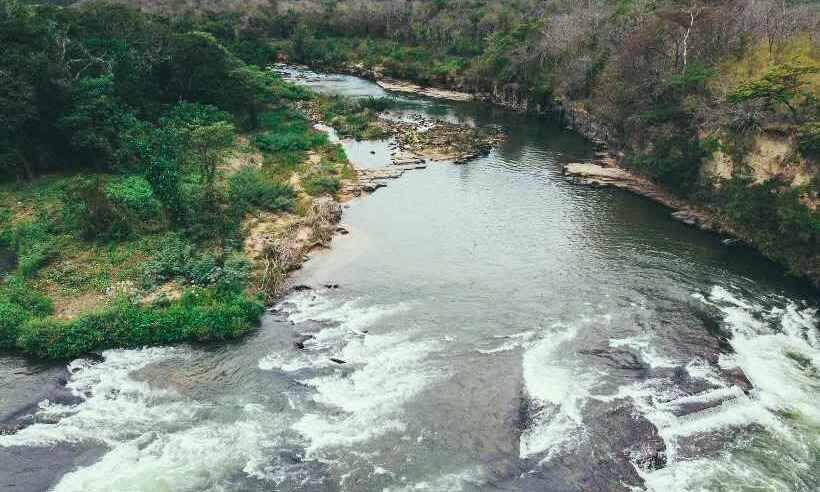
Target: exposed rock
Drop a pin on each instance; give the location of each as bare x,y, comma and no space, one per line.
338,361
597,175
617,358
411,88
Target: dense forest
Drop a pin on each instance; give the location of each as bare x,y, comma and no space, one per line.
116,120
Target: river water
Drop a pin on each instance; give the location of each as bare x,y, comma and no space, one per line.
500,328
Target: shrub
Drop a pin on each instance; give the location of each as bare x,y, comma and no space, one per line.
88,211
133,197
675,162
34,244
377,104
176,259
249,188
199,315
170,260
18,303
321,185
290,140
808,139
16,291
11,317
773,217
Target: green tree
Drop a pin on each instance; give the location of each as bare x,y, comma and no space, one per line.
98,124
782,84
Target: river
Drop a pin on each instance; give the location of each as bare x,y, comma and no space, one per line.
500,328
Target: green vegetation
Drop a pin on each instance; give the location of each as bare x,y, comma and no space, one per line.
354,118
132,147
674,82
199,315
772,216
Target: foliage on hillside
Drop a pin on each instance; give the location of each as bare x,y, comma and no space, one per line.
674,81
131,149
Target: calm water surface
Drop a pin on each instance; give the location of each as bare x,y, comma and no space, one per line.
501,330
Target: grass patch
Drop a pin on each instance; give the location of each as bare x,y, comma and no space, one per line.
200,315
249,188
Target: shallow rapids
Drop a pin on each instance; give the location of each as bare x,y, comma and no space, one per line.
488,326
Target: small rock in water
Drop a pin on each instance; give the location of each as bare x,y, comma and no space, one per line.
331,286
337,361
620,359
301,288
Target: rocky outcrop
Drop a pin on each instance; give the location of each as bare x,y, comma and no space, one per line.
370,180
576,117
433,92
616,177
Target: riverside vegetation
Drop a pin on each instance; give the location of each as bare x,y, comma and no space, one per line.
156,187
714,100
135,153
136,145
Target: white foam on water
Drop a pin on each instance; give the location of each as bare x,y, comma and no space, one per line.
197,458
345,318
560,390
772,346
363,398
115,406
158,440
512,342
291,362
388,371
447,482
720,473
644,345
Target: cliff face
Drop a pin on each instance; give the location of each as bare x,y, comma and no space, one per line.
770,155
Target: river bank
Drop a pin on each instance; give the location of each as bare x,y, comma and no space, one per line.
575,116
281,248
480,327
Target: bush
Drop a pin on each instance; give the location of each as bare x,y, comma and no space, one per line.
17,292
133,197
249,188
377,104
34,244
199,315
18,303
88,212
675,162
773,217
176,259
290,141
808,139
11,317
321,185
170,260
